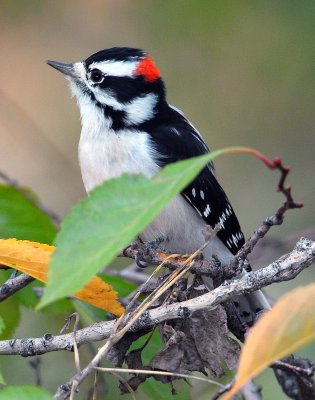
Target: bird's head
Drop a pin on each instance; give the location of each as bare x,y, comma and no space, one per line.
122,83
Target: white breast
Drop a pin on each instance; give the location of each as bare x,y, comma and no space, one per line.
106,154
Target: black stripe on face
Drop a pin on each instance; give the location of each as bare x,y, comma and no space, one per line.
125,89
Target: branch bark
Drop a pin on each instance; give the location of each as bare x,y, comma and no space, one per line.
285,268
13,285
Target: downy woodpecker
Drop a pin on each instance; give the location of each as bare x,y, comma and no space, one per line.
128,126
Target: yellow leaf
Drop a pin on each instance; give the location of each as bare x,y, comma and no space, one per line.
289,325
33,258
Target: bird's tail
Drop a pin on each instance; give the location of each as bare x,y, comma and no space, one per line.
249,305
246,306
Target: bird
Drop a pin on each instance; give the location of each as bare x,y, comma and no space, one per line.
128,126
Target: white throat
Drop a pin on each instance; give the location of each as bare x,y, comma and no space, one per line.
105,153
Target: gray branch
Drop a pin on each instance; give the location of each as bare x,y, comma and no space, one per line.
285,268
13,285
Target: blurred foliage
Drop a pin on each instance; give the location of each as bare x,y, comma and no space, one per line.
24,393
10,314
9,311
20,218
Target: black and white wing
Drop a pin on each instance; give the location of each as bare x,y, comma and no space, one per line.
177,140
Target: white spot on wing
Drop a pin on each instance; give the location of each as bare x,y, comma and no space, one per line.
234,240
207,211
193,192
174,130
202,194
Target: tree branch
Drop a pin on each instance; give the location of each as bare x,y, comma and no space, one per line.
13,285
285,268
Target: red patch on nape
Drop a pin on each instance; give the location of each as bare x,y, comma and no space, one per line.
148,69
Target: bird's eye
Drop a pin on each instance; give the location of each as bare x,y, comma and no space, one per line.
96,76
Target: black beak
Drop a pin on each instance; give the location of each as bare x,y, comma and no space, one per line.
66,69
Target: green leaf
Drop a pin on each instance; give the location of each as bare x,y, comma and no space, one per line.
60,307
122,287
115,212
2,381
2,325
9,312
20,218
27,296
151,349
157,390
24,393
88,314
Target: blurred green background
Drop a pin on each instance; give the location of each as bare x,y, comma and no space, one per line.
242,71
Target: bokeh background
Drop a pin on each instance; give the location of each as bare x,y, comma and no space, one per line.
242,71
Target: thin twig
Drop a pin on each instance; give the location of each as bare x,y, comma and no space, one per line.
75,329
276,219
164,373
35,363
124,382
294,368
224,389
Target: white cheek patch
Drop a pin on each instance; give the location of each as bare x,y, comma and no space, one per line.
140,109
116,68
